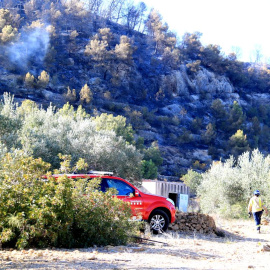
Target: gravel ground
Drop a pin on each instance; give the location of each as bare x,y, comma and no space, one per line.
241,248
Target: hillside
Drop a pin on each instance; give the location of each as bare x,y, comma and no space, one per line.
197,104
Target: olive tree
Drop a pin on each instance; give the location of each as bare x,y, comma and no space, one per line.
10,122
227,187
46,133
105,142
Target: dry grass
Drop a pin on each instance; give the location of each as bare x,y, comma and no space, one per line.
241,248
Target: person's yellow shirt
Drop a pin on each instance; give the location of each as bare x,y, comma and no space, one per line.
255,204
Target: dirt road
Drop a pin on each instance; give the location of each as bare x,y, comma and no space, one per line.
241,248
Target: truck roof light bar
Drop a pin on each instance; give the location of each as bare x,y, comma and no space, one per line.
101,173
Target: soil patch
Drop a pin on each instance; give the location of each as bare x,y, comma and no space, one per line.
240,248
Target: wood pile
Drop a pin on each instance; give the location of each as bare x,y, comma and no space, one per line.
194,222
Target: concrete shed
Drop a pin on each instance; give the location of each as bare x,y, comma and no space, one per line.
173,190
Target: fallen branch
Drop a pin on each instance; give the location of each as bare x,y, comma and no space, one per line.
145,239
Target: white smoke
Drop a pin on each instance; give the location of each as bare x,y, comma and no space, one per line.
32,46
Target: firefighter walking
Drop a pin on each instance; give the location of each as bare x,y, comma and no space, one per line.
256,207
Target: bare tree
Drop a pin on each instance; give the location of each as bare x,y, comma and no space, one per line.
142,10
94,6
133,16
256,56
113,9
237,51
8,4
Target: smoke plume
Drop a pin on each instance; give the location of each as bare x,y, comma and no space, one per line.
32,46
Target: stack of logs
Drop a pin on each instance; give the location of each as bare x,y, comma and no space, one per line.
194,222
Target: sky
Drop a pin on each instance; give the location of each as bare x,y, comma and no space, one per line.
242,24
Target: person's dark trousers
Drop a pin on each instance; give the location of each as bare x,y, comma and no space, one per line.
257,217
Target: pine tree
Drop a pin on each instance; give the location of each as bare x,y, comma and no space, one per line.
43,79
157,30
71,96
210,134
29,80
86,94
8,31
236,117
123,51
238,143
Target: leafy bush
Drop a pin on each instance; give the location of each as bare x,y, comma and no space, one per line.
227,187
117,124
8,32
153,153
210,134
197,165
212,58
71,95
105,142
236,117
151,161
193,180
238,143
185,137
56,212
149,169
219,113
10,122
196,125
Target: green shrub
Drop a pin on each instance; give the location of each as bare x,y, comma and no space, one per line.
227,187
196,125
238,210
153,153
185,137
197,165
193,180
149,169
56,212
236,117
209,134
238,143
105,142
117,124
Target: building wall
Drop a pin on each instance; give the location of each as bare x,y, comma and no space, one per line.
176,191
163,188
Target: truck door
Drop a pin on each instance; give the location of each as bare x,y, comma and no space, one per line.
127,193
